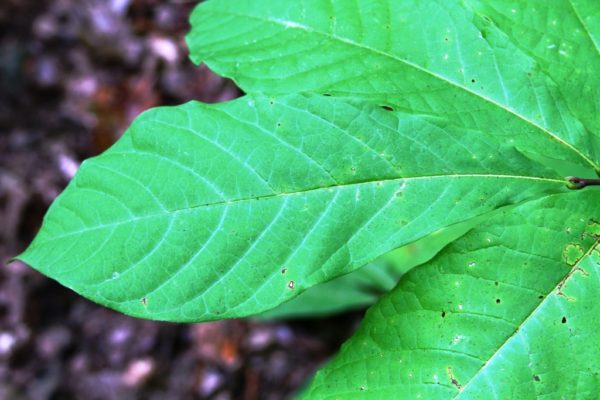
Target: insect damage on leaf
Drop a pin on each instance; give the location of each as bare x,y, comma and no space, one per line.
572,253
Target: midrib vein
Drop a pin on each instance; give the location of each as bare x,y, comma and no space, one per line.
584,26
298,193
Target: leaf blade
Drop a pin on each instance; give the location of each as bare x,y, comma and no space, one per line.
463,59
194,215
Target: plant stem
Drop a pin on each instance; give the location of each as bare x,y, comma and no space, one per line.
580,183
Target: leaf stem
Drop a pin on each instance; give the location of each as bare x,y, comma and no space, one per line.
579,183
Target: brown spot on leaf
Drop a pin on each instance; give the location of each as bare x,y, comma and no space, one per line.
453,379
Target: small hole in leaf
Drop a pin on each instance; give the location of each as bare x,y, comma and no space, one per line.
291,284
388,108
564,320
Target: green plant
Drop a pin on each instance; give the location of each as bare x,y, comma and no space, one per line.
368,126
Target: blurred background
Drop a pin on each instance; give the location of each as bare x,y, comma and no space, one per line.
73,75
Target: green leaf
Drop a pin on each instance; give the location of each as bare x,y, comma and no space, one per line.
211,211
509,310
355,290
564,41
444,58
364,286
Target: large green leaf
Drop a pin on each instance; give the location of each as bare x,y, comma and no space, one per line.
509,311
202,212
535,73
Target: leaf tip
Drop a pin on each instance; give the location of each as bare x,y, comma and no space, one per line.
20,257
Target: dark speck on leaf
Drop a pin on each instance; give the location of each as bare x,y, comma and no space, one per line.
496,283
144,301
443,314
388,108
473,80
326,94
536,378
498,301
283,270
540,296
564,320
